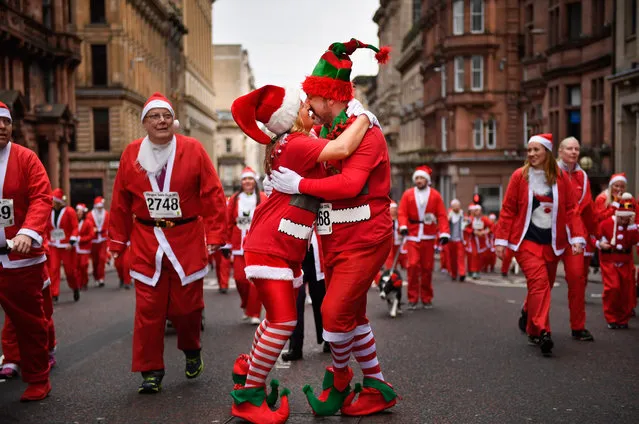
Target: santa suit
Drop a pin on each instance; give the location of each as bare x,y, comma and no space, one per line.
576,266
100,218
455,247
222,268
86,232
423,213
477,246
617,269
168,263
63,229
241,208
24,181
534,222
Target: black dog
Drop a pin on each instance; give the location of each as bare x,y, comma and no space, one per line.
390,289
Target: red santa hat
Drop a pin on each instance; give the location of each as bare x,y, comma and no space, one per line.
5,112
58,196
474,207
248,172
543,139
81,207
422,171
393,204
157,100
98,202
627,206
274,106
618,177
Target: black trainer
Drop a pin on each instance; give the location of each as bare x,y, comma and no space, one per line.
523,321
76,295
462,278
613,326
582,335
546,344
194,364
292,355
534,340
55,299
152,383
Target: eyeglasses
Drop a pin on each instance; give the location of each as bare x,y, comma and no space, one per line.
157,116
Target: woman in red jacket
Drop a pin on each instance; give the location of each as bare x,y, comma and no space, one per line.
538,206
277,241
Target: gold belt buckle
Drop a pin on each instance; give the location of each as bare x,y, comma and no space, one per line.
168,224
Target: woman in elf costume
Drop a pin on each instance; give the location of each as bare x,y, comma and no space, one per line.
277,241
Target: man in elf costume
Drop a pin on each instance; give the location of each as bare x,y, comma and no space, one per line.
356,229
100,218
422,218
63,235
169,202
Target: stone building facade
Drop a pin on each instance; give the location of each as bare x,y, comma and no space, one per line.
233,78
625,88
39,56
131,48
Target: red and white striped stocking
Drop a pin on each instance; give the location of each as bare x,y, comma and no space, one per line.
365,353
258,334
268,348
341,353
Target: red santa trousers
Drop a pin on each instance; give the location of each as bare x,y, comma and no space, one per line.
539,265
123,266
507,260
487,261
169,299
98,259
23,305
456,258
222,268
474,261
82,260
67,258
248,294
619,289
348,277
10,348
421,260
444,258
576,280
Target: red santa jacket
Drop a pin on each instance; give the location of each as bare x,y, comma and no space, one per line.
189,173
86,235
622,238
24,180
64,229
474,243
238,226
423,222
101,225
581,186
516,214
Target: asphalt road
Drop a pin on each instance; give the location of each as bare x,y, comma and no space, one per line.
462,362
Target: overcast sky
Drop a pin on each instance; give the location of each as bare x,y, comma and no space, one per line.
285,38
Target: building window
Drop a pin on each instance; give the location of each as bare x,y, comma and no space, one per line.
49,86
99,64
597,111
229,145
101,139
598,16
491,134
458,17
47,14
444,81
573,124
573,95
573,15
417,11
476,16
491,197
98,12
477,73
444,134
459,74
478,134
630,14
553,26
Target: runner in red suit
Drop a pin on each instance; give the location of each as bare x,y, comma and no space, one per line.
100,218
63,235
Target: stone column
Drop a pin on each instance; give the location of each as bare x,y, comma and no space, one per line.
54,161
64,168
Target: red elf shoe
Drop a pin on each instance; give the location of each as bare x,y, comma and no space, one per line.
375,396
249,404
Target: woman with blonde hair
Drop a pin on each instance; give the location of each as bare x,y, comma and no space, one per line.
538,206
277,241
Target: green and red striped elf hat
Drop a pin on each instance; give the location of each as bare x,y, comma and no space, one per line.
331,77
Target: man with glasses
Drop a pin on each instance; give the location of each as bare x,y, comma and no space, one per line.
169,203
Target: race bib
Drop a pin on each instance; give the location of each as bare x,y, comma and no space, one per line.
163,205
6,213
478,225
429,218
243,222
324,223
57,234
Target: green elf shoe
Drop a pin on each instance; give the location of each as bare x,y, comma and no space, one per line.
335,389
249,404
240,371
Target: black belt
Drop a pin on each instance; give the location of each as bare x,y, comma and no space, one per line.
305,202
165,223
4,250
412,221
610,252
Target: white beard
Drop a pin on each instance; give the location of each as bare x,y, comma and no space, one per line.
537,182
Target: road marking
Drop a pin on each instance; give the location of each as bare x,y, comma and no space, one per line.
281,364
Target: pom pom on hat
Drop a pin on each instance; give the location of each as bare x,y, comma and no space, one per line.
422,171
58,196
618,177
176,124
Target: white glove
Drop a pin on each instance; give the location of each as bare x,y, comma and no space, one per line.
268,185
286,181
355,108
